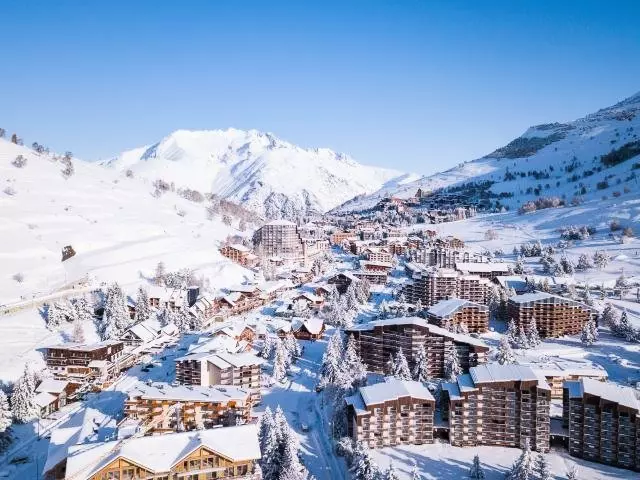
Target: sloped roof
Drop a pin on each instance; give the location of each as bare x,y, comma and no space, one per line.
188,393
158,453
52,386
393,389
446,308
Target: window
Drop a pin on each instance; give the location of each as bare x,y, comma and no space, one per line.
128,473
194,464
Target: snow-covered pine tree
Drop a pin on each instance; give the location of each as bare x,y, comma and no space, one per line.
291,468
625,328
268,437
418,307
401,366
54,316
524,467
415,473
281,362
572,473
452,366
522,340
364,467
476,472
355,370
268,346
493,301
584,263
512,332
331,370
115,319
543,471
586,337
5,413
390,473
421,365
505,354
159,274
22,399
143,310
78,332
83,310
350,298
384,309
292,345
533,337
601,259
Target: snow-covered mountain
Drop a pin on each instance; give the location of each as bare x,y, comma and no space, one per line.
118,230
270,176
586,159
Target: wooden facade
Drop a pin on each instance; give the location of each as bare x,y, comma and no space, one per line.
456,312
378,340
432,286
78,363
499,405
555,316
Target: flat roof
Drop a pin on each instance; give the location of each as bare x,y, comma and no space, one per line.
494,372
393,389
187,393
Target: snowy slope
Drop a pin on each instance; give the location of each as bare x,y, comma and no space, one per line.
268,175
118,229
558,158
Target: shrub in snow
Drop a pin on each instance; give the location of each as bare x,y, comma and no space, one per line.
572,473
18,277
19,162
10,191
628,232
614,225
68,170
524,467
390,473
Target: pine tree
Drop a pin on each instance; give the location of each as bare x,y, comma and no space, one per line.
292,345
524,467
589,333
280,362
115,319
512,332
78,332
421,365
143,310
5,413
400,369
533,337
452,366
331,370
522,340
355,371
390,473
364,467
54,316
418,307
601,259
83,310
476,472
22,400
159,274
268,347
415,473
505,354
268,437
625,328
572,473
584,263
542,468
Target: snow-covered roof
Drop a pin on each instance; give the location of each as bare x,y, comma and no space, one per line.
365,273
168,294
546,298
143,332
393,389
484,267
226,360
493,372
159,453
281,223
50,385
239,247
43,399
516,282
243,288
375,263
446,308
313,325
568,368
625,396
84,347
423,323
188,393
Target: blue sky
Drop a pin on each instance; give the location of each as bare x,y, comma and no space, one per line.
418,86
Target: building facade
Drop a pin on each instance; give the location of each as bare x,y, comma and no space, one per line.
603,421
456,312
78,363
555,316
499,405
433,285
394,412
378,340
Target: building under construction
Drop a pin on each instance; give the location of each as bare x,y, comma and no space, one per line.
379,340
498,405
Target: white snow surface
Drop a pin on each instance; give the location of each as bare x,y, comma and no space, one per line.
270,176
582,141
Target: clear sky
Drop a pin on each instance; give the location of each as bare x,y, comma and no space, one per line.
419,86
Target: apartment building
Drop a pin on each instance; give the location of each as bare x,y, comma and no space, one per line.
342,281
489,270
284,241
378,340
394,412
555,316
220,453
499,405
603,421
162,407
241,370
240,254
79,362
556,372
431,285
378,254
374,277
455,311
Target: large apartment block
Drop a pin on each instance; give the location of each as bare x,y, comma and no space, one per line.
498,405
394,412
220,453
378,340
238,369
283,240
433,285
603,421
79,362
161,407
455,311
555,316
